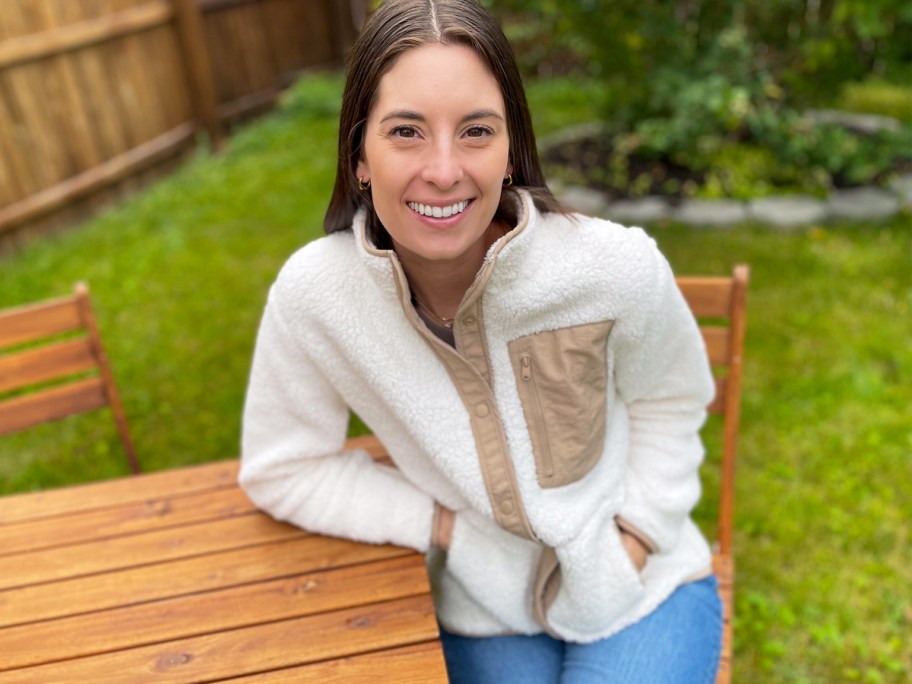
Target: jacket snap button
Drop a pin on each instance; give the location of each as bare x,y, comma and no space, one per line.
506,506
469,320
481,410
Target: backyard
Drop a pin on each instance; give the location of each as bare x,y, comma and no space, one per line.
179,276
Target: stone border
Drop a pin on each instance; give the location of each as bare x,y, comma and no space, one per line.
786,211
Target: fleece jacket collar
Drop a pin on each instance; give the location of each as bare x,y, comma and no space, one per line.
382,263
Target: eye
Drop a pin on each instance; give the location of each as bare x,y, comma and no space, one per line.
404,132
478,132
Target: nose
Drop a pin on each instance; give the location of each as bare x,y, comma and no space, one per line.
442,166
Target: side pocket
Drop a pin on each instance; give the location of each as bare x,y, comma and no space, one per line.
562,377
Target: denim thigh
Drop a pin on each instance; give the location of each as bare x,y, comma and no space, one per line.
678,643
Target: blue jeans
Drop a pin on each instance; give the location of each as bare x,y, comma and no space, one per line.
678,643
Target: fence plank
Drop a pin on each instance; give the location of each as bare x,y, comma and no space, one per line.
139,59
199,67
10,189
68,105
24,85
36,46
94,80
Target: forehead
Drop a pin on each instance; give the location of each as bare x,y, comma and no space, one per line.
440,76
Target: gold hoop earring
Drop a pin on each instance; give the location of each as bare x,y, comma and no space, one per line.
508,180
363,184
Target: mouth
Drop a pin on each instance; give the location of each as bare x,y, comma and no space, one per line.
439,211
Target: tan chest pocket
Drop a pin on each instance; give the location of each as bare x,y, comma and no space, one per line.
562,378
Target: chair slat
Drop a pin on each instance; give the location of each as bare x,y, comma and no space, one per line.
717,343
33,321
51,404
38,364
707,296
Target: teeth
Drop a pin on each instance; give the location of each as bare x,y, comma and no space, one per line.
438,212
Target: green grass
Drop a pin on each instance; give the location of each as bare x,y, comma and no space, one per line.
179,276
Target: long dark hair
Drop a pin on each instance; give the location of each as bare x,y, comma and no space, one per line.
401,25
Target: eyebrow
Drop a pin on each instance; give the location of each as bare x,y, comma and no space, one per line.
415,116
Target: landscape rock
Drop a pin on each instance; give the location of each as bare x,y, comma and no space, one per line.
638,211
902,187
707,212
787,210
862,204
584,200
863,124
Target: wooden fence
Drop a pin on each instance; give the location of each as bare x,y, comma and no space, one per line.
99,96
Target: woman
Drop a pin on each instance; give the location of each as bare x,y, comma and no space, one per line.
536,376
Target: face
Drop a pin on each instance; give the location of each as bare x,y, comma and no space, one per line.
436,150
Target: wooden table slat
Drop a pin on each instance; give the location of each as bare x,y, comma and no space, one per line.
56,502
125,519
140,549
417,664
198,478
269,646
207,573
207,613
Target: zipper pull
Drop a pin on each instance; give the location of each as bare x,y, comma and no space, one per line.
525,364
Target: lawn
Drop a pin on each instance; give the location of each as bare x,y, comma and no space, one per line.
179,276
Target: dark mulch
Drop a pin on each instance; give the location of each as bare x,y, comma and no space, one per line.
589,159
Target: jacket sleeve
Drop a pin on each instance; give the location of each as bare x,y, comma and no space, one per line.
293,462
663,376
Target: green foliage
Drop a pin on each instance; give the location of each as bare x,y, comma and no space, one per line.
831,151
180,273
689,80
812,48
743,171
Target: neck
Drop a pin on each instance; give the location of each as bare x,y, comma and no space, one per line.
441,285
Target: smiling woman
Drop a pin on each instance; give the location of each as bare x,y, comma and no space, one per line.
536,377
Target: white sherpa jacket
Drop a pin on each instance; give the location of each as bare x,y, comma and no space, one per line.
570,405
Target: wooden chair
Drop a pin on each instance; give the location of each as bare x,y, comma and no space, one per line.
47,373
721,302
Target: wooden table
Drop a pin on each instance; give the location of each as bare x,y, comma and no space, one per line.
176,577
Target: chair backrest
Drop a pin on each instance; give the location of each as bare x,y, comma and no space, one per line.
719,303
53,365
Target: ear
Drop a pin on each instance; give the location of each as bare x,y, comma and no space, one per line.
362,170
509,167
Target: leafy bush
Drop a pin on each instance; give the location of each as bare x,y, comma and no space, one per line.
685,82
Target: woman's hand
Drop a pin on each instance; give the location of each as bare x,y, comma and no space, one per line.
443,527
635,549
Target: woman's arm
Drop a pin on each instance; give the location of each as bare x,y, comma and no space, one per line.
293,464
664,377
